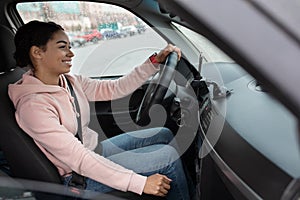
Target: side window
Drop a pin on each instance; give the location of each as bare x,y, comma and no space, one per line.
107,40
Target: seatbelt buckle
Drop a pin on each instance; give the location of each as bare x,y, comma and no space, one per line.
77,181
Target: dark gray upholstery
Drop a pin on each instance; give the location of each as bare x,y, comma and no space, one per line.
24,157
7,49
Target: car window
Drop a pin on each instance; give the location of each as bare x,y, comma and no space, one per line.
107,40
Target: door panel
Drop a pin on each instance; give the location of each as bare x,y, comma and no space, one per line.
115,117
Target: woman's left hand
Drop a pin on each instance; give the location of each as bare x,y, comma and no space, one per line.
163,54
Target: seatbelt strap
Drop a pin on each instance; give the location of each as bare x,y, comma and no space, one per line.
77,180
79,129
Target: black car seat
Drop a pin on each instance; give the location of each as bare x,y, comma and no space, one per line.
24,157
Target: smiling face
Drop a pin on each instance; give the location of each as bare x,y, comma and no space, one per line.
54,58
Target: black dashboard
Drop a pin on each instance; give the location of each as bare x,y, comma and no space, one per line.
251,138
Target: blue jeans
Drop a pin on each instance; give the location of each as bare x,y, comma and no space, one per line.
146,152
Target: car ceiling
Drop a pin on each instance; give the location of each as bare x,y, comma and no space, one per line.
286,14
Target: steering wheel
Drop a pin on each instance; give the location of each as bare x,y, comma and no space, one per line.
157,89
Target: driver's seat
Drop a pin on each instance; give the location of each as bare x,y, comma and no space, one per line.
25,159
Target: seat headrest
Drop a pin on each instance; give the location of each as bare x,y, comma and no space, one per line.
7,49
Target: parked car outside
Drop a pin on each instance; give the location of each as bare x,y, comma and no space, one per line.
129,30
76,40
141,28
110,34
92,36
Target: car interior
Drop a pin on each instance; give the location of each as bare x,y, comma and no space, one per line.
236,139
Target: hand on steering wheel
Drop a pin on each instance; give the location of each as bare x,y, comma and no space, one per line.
164,53
156,90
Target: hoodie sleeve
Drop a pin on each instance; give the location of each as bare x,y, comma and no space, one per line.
104,90
38,116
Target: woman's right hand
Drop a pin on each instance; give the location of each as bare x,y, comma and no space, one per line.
157,185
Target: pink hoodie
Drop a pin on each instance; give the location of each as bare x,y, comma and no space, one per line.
47,113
